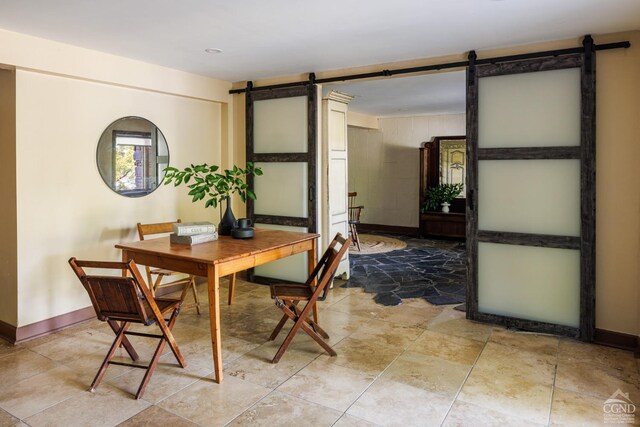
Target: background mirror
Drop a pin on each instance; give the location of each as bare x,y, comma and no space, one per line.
132,155
453,162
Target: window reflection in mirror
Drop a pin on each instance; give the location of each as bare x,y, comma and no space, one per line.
132,155
453,163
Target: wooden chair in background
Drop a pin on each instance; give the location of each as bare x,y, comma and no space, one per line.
287,297
354,218
126,299
146,230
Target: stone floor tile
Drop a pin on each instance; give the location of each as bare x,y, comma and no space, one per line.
464,414
327,384
449,347
155,416
67,348
573,409
358,305
596,380
210,404
390,403
512,396
7,420
279,409
386,333
6,348
167,379
350,421
255,366
106,406
537,343
579,352
427,373
409,316
36,393
23,364
516,364
463,328
365,356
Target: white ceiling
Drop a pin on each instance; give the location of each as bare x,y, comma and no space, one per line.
442,93
267,38
264,38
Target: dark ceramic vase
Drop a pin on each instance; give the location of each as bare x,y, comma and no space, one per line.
228,221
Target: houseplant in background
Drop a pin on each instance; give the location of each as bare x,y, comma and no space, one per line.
214,186
441,195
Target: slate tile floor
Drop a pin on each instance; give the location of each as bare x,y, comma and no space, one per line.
416,364
433,270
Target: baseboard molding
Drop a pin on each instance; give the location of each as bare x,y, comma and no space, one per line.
28,332
7,332
394,229
617,340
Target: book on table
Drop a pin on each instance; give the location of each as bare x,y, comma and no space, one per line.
193,239
191,228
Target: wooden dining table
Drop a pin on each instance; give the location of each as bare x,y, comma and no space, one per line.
220,258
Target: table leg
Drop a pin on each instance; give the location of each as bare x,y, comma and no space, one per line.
213,280
125,258
312,258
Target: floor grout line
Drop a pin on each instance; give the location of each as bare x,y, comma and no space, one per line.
455,398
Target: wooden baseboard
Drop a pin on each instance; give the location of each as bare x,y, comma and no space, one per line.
618,340
28,332
7,332
393,229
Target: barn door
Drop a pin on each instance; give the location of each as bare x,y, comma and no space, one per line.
281,139
531,193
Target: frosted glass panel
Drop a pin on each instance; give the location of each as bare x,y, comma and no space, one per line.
530,109
529,196
282,189
531,283
293,268
280,125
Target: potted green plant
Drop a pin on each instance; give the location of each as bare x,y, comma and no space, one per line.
441,195
207,182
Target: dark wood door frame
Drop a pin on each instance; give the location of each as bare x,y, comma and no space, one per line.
310,157
585,153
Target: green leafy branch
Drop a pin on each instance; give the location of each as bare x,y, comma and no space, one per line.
208,181
443,193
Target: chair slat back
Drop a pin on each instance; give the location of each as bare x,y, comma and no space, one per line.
328,264
115,297
354,213
156,228
352,198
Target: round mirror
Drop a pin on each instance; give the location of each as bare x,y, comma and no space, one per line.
132,155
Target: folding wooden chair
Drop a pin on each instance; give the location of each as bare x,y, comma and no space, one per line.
316,288
146,230
126,299
354,218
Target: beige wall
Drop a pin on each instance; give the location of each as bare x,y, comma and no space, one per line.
63,207
8,218
362,120
617,176
618,186
384,165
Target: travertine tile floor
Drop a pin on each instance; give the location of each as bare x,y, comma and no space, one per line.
415,364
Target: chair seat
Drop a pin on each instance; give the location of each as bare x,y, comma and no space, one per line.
163,272
354,221
291,292
164,304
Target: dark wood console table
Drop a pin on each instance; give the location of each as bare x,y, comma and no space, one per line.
441,224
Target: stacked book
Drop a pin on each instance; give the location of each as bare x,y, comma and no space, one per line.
193,233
